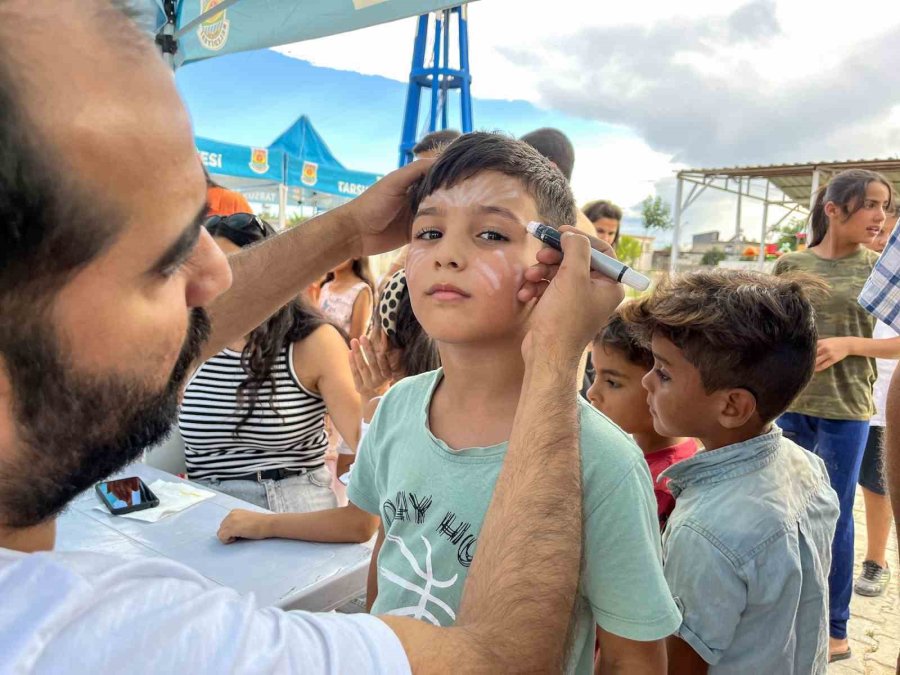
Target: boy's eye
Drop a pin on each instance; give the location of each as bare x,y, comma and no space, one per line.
491,235
612,384
661,374
428,234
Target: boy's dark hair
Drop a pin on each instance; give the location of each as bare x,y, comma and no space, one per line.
555,146
436,140
739,329
473,153
619,335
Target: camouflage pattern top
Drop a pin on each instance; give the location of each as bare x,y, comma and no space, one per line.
843,391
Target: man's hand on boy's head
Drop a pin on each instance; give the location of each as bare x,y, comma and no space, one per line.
379,219
574,301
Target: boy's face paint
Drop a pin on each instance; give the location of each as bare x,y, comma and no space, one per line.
467,259
617,391
678,402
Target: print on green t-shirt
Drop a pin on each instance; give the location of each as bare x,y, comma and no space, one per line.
843,391
432,501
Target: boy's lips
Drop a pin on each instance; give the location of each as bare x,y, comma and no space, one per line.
446,292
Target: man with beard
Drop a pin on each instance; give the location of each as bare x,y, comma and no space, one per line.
106,278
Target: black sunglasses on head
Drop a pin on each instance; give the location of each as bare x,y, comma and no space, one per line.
250,227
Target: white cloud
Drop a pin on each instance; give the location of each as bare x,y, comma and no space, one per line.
719,82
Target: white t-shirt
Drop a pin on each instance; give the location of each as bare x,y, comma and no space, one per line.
885,369
81,612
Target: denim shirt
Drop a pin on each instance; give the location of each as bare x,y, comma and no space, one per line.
747,553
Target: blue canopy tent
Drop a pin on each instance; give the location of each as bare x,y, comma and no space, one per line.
191,30
298,167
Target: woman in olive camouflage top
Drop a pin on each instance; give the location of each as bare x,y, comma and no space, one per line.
831,416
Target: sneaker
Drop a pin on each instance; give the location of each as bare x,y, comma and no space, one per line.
873,579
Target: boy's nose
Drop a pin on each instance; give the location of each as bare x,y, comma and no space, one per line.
449,256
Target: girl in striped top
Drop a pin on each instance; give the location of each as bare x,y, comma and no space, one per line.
253,416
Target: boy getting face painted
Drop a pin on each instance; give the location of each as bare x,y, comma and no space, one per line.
436,445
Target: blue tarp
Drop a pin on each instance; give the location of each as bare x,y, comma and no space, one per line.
206,28
310,163
299,158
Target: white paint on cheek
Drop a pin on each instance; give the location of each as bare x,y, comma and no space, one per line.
513,270
415,257
489,274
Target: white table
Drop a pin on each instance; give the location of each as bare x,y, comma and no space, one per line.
288,574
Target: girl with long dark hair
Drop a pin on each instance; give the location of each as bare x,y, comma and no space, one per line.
398,348
831,416
253,416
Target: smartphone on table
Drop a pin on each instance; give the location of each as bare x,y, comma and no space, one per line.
125,495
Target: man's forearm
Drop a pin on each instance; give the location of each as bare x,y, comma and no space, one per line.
526,570
892,445
267,276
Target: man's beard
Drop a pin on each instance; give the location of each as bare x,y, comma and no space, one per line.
74,429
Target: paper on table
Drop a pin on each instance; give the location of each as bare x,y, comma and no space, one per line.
173,497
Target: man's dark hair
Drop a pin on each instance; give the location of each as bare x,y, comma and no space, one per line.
619,335
739,329
49,227
481,151
555,146
436,140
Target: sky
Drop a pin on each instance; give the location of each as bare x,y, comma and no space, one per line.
642,89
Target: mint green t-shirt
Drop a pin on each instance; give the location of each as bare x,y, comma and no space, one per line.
432,501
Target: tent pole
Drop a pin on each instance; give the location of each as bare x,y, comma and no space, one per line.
676,232
764,232
165,39
282,207
435,70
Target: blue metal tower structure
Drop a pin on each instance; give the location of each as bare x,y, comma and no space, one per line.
437,77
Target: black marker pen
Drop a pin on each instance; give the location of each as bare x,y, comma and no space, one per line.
607,266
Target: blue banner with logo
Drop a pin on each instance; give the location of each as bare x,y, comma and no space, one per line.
227,159
298,158
206,28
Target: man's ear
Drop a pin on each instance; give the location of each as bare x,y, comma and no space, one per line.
736,408
584,224
7,425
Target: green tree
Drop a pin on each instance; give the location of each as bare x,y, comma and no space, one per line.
629,250
787,233
713,258
656,214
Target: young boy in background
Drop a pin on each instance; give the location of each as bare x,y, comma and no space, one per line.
748,547
622,362
436,445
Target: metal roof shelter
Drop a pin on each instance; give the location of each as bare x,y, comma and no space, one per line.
790,186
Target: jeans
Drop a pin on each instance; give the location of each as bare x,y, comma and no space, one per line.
840,444
298,494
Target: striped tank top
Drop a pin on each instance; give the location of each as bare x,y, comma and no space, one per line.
291,435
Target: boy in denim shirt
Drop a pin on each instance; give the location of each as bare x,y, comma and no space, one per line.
748,547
